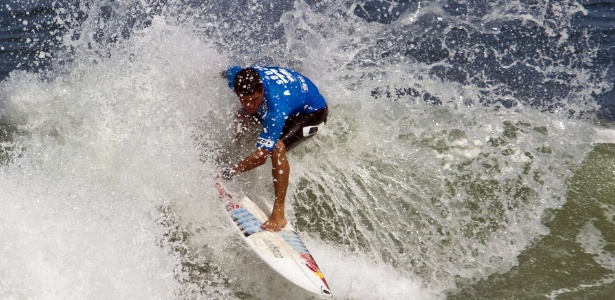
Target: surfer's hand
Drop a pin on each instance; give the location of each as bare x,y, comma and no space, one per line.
275,223
227,173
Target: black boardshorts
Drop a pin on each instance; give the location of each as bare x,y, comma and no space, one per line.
300,127
297,128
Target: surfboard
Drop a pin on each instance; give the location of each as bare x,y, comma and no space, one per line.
283,251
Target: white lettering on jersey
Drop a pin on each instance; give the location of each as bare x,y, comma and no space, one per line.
288,75
282,76
265,143
304,86
278,75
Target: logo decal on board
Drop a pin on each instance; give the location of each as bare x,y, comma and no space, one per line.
275,250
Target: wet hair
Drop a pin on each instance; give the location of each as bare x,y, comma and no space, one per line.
247,82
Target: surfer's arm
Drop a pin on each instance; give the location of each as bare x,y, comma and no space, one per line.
280,173
244,121
265,146
256,159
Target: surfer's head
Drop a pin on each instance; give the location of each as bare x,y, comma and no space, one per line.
247,84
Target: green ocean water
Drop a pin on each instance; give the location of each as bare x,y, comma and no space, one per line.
575,260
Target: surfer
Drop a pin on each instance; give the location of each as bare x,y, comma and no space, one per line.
290,108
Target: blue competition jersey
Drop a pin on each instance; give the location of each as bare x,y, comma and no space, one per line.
287,93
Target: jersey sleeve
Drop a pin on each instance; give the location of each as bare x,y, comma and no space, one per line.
273,124
230,75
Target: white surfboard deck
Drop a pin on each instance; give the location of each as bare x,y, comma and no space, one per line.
283,251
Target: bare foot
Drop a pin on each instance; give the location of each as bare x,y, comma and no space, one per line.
274,223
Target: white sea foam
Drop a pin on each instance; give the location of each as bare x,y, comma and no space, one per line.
605,136
106,146
402,198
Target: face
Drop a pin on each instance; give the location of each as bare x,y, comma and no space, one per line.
252,102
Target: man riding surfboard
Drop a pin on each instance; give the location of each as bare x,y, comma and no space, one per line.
290,108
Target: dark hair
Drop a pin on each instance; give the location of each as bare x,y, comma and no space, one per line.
247,82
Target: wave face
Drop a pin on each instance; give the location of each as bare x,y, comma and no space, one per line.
454,127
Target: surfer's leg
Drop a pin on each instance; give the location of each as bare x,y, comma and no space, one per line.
280,171
293,135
